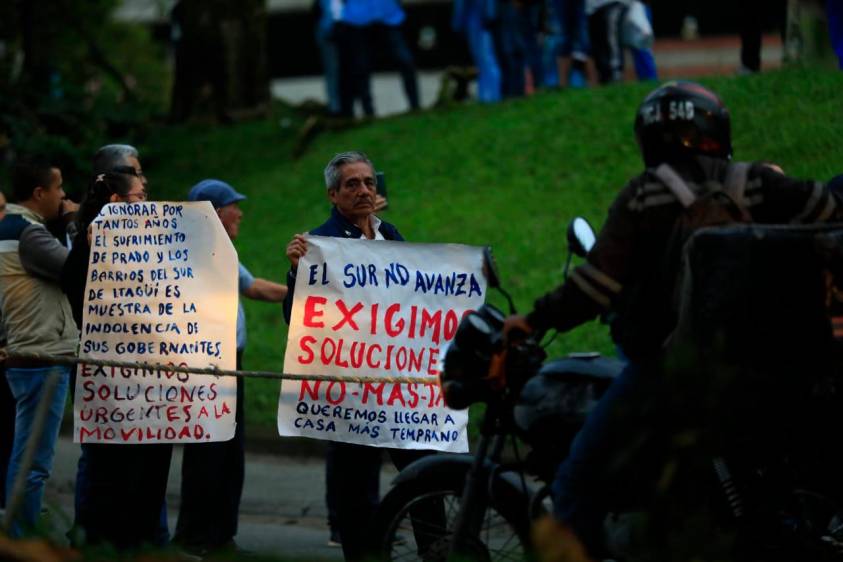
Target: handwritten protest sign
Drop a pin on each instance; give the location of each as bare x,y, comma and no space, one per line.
161,288
377,308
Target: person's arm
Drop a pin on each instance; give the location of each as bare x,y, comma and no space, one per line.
74,275
776,198
265,290
41,254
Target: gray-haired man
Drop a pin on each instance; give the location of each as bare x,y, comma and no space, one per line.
352,471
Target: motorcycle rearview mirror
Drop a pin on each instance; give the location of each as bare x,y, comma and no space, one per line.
581,237
490,271
490,268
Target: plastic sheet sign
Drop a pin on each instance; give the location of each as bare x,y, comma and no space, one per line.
161,288
377,308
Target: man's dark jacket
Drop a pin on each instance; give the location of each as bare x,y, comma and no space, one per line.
338,227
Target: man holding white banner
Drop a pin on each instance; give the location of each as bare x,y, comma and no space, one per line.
370,310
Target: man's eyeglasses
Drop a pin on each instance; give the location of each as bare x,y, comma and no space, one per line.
137,196
130,171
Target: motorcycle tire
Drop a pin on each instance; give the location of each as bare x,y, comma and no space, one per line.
505,534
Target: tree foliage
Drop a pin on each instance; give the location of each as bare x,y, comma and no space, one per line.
71,78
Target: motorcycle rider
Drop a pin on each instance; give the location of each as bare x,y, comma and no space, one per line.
686,126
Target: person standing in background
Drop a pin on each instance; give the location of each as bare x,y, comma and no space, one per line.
154,462
643,59
324,34
208,522
604,27
357,24
568,18
510,48
472,18
112,476
753,15
37,319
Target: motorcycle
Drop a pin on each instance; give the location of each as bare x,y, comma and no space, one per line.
492,497
489,501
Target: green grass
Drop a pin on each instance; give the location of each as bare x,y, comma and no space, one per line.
510,175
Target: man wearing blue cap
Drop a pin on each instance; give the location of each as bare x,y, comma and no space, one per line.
208,522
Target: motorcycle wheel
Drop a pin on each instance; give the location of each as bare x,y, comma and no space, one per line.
504,535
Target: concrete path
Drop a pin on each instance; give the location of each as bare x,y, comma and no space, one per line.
282,512
674,58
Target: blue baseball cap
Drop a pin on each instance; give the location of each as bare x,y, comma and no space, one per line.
217,192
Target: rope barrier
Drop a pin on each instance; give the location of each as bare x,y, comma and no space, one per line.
151,367
14,503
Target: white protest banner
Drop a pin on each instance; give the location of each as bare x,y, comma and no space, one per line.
161,288
377,308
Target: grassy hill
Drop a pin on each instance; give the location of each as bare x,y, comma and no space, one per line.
510,175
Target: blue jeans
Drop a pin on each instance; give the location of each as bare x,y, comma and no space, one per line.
834,11
27,386
355,48
573,27
7,431
582,490
511,50
400,54
482,47
567,36
352,43
645,64
529,22
331,68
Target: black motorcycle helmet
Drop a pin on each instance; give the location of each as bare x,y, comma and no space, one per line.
681,119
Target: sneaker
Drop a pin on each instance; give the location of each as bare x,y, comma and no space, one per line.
334,541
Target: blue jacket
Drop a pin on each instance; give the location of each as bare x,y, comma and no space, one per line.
338,227
367,12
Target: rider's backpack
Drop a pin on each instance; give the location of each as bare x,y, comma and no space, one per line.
650,312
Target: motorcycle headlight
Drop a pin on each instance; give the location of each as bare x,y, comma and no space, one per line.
468,357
